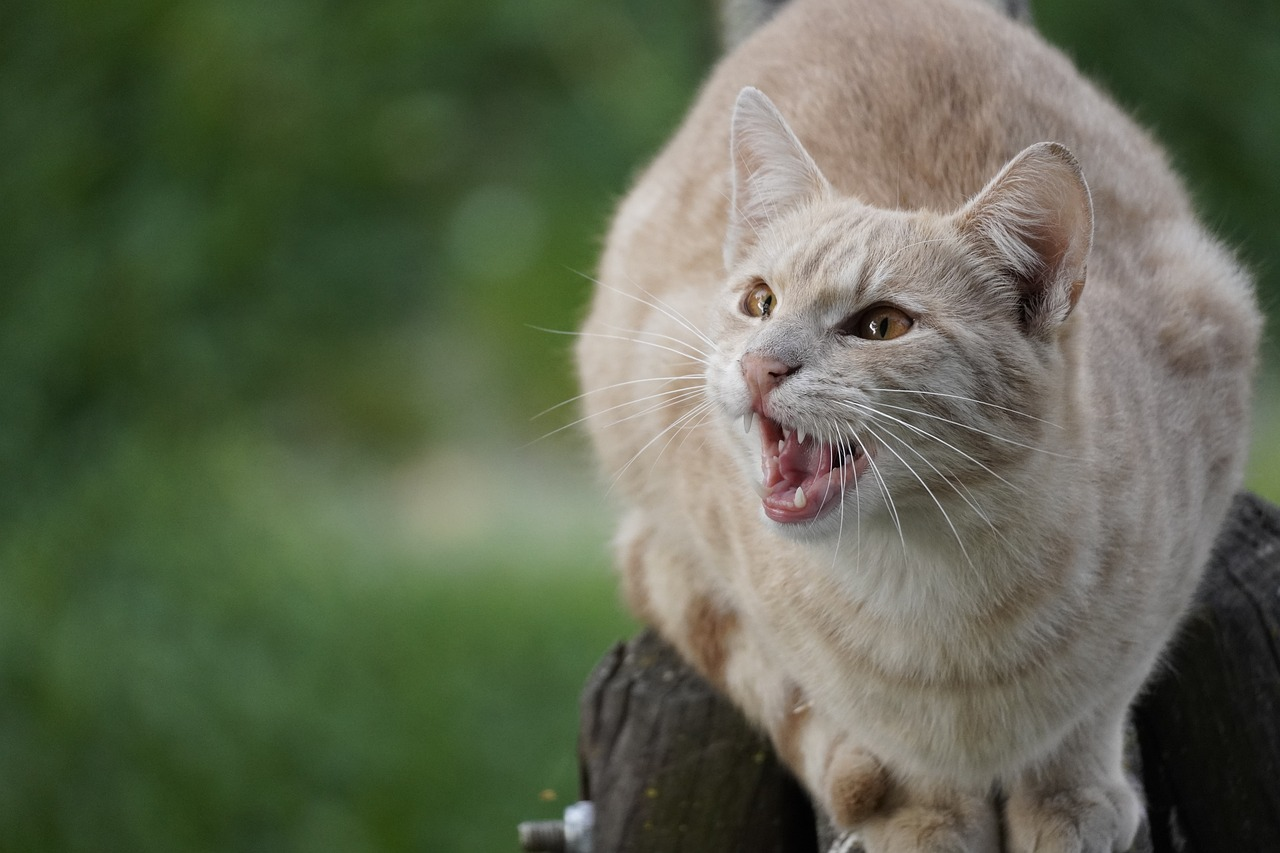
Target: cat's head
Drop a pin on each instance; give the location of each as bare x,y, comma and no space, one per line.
888,361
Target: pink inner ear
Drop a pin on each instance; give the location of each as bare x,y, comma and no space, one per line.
1035,219
772,172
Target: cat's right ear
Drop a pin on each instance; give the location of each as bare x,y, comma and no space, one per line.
1034,221
772,173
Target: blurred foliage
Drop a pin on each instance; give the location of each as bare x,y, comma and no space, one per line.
1205,77
268,276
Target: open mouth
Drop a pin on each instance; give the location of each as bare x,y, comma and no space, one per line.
803,476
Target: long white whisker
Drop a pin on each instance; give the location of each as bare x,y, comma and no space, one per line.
668,428
956,533
871,412
675,395
669,310
965,399
585,394
902,249
884,487
703,410
620,338
660,336
963,425
857,499
654,302
966,495
842,443
956,485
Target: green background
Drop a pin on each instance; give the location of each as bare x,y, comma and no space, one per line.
283,565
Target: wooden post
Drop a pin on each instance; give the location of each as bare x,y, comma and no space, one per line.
1210,722
673,768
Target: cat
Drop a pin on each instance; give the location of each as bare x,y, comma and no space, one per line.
924,396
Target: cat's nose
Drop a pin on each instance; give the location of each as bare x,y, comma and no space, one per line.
763,373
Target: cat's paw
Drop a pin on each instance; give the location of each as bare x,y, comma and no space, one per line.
855,786
1100,818
968,825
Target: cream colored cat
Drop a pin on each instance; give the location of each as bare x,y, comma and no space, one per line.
925,403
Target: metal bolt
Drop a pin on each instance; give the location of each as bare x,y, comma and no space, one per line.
542,836
571,835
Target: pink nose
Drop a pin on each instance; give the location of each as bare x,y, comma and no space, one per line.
764,373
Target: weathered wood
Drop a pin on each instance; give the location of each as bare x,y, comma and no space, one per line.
1210,723
673,768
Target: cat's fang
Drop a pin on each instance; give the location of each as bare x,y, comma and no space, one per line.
800,436
748,421
800,501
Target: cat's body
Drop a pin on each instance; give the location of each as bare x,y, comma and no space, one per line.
980,586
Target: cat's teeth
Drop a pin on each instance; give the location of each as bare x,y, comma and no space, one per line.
781,444
786,434
748,421
800,500
801,436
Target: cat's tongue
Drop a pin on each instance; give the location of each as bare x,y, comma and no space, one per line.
802,479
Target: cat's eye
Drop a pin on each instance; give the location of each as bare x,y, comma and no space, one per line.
878,323
759,301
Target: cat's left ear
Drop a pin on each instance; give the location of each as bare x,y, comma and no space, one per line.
772,173
1035,221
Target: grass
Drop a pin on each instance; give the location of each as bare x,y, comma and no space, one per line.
220,648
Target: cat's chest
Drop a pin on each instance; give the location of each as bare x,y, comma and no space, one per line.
887,626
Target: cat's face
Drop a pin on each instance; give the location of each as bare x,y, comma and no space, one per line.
874,362
880,340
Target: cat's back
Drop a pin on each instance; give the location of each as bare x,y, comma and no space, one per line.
908,104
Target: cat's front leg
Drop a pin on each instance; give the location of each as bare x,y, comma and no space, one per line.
924,817
1079,800
698,613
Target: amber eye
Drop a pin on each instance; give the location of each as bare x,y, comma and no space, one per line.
759,301
881,323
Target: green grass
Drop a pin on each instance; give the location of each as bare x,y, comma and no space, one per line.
198,655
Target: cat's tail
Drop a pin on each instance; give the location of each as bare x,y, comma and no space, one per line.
740,18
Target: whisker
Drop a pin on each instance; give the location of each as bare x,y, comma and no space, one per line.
678,396
955,484
703,410
965,399
963,425
683,395
656,302
887,446
884,488
673,425
585,394
661,336
874,413
951,481
880,266
618,338
842,442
